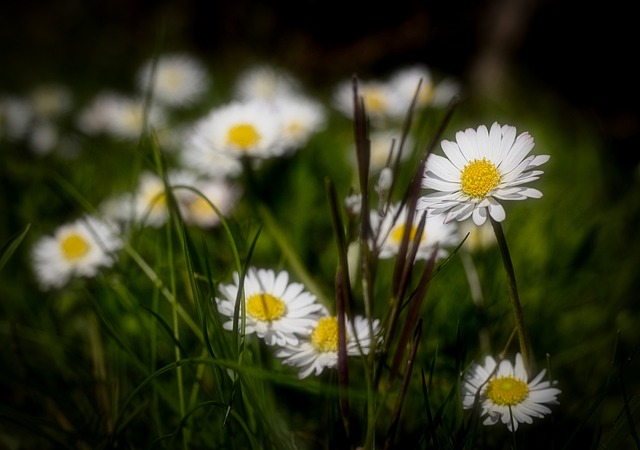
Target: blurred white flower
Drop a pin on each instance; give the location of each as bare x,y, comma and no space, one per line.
196,209
265,82
79,248
301,118
389,230
174,79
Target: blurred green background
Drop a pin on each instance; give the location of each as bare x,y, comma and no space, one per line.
559,69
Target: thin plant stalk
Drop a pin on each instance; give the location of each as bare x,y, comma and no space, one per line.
513,293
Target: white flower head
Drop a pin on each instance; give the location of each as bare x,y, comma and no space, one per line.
276,310
16,115
79,248
405,83
197,211
380,101
389,231
301,118
319,349
50,100
385,145
174,79
505,393
481,168
240,129
265,82
119,116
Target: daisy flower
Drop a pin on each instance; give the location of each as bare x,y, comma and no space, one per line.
404,83
197,211
506,394
301,117
175,80
265,82
79,248
379,99
239,129
276,309
389,231
319,349
481,167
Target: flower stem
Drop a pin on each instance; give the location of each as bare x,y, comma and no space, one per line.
513,292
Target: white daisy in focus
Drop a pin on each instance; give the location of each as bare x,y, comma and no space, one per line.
319,349
505,393
239,129
276,310
264,82
79,248
481,167
174,79
301,118
390,229
196,209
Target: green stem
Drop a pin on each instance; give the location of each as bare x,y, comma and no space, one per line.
513,292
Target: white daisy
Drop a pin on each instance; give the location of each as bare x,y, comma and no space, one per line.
79,248
265,82
239,129
389,231
301,117
384,148
481,167
118,115
50,100
379,99
506,394
404,82
319,349
174,79
197,211
276,310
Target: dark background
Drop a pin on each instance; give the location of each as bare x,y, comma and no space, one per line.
583,54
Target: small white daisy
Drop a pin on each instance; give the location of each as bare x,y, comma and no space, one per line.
240,129
506,394
301,118
319,349
276,310
482,167
265,82
119,116
150,200
197,211
174,79
404,82
379,99
384,148
389,231
79,248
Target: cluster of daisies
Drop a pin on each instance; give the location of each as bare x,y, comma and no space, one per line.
270,116
290,319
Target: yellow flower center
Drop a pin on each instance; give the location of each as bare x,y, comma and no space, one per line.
172,78
375,100
479,177
243,135
325,336
506,391
398,232
156,199
74,247
265,307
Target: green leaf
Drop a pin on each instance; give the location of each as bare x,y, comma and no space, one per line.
11,245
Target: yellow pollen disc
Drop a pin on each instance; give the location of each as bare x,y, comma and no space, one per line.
156,200
325,336
398,232
375,101
200,207
74,247
479,177
265,307
172,78
507,391
243,135
294,128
